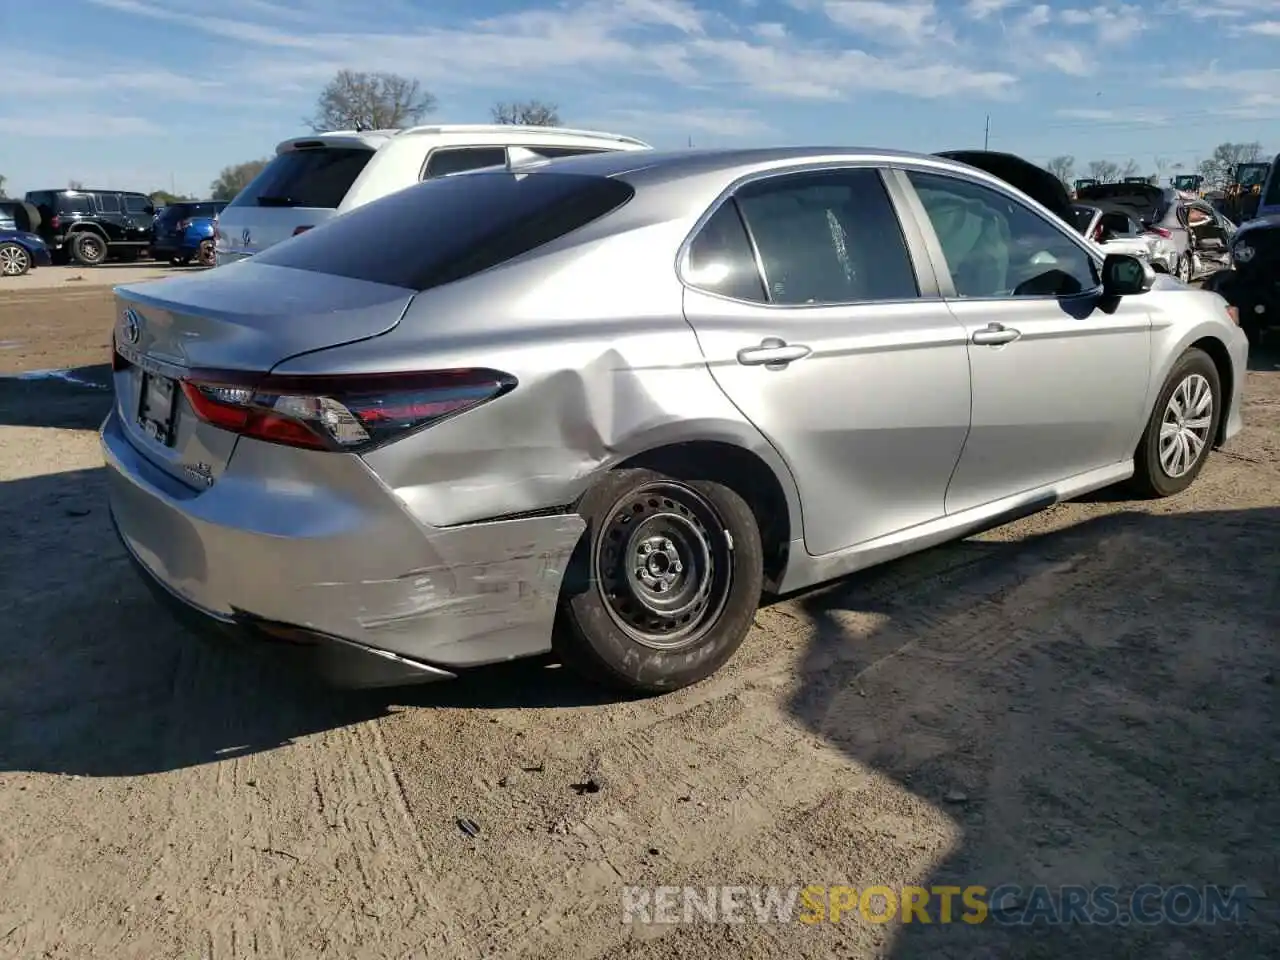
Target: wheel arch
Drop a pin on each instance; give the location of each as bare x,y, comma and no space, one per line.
87,228
1221,357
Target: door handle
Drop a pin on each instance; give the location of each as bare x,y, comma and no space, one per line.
772,351
996,334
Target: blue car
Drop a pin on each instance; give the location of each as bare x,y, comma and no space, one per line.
20,247
183,232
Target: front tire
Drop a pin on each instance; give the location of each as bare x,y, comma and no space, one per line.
664,585
89,249
1180,432
14,260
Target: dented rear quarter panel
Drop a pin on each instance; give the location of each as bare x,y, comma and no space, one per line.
593,329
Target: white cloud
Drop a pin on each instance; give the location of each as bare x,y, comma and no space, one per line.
770,31
982,9
1112,24
913,21
668,40
1266,28
1034,44
1144,117
728,124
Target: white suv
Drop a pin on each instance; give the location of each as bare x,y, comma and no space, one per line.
314,178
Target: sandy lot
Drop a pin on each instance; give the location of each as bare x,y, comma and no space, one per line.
1085,697
67,279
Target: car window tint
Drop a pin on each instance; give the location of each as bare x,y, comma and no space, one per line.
721,260
75,203
996,246
551,153
1273,186
829,237
107,202
313,177
137,205
449,228
447,160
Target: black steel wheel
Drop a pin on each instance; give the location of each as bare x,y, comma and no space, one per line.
665,583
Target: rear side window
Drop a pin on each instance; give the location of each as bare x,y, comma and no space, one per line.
316,177
721,259
451,228
447,160
75,203
828,238
137,205
108,202
552,153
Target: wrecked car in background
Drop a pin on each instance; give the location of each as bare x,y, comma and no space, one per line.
1253,285
1114,230
1159,210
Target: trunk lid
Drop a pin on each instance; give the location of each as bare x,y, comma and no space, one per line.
1144,202
302,186
1036,182
245,317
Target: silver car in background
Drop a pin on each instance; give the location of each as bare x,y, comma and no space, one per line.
623,394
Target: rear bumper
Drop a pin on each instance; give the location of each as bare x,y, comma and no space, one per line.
310,549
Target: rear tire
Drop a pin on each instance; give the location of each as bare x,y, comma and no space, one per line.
89,249
664,584
1182,428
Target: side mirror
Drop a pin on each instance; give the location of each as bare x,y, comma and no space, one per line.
1123,275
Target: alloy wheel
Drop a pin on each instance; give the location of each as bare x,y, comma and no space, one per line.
664,566
14,261
1184,429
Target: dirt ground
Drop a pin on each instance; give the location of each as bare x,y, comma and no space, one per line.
1084,697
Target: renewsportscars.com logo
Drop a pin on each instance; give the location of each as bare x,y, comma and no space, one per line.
1007,904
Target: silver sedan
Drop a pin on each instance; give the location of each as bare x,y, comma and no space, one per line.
598,405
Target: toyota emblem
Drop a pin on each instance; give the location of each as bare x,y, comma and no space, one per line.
132,326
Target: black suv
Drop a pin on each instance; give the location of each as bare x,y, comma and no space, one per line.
91,225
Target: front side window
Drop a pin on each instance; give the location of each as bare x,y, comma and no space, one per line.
829,237
997,247
447,160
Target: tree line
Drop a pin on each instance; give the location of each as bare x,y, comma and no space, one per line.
355,100
1217,169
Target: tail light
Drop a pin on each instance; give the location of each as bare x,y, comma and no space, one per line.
1234,314
352,413
1160,232
298,230
1097,234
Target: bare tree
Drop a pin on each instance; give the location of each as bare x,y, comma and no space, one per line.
370,101
235,178
1220,167
1130,168
1062,167
530,113
1104,171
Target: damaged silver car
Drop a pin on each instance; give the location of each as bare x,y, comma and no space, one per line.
597,405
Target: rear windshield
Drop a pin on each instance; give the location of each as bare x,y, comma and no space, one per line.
450,228
182,211
316,177
1150,205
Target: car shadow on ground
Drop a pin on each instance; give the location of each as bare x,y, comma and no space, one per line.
1095,706
97,680
76,398
1265,357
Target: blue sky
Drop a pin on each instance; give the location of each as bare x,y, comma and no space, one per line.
145,94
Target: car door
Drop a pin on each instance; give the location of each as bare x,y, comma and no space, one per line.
139,215
1059,374
825,331
110,215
